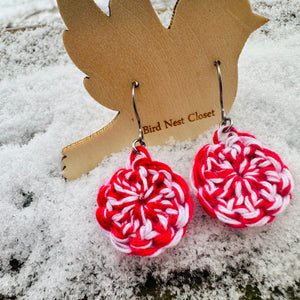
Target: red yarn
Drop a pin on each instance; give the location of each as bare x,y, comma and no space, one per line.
241,182
145,208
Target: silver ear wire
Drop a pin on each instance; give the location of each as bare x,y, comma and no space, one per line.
140,140
226,121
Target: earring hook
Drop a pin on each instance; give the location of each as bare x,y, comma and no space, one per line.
225,120
140,140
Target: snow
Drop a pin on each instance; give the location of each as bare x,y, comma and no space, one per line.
51,245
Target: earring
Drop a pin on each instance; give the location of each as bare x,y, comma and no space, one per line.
237,179
146,207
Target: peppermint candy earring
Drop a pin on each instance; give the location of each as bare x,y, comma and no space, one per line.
146,207
237,179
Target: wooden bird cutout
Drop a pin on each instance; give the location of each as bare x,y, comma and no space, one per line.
178,94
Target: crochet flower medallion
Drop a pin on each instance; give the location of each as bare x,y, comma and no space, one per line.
241,182
144,208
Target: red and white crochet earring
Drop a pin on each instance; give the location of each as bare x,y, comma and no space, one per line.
146,207
237,179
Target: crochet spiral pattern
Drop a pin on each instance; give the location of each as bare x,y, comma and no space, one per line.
145,208
241,182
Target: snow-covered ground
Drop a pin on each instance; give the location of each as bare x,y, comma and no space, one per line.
50,243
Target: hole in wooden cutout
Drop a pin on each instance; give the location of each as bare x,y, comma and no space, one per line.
103,5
